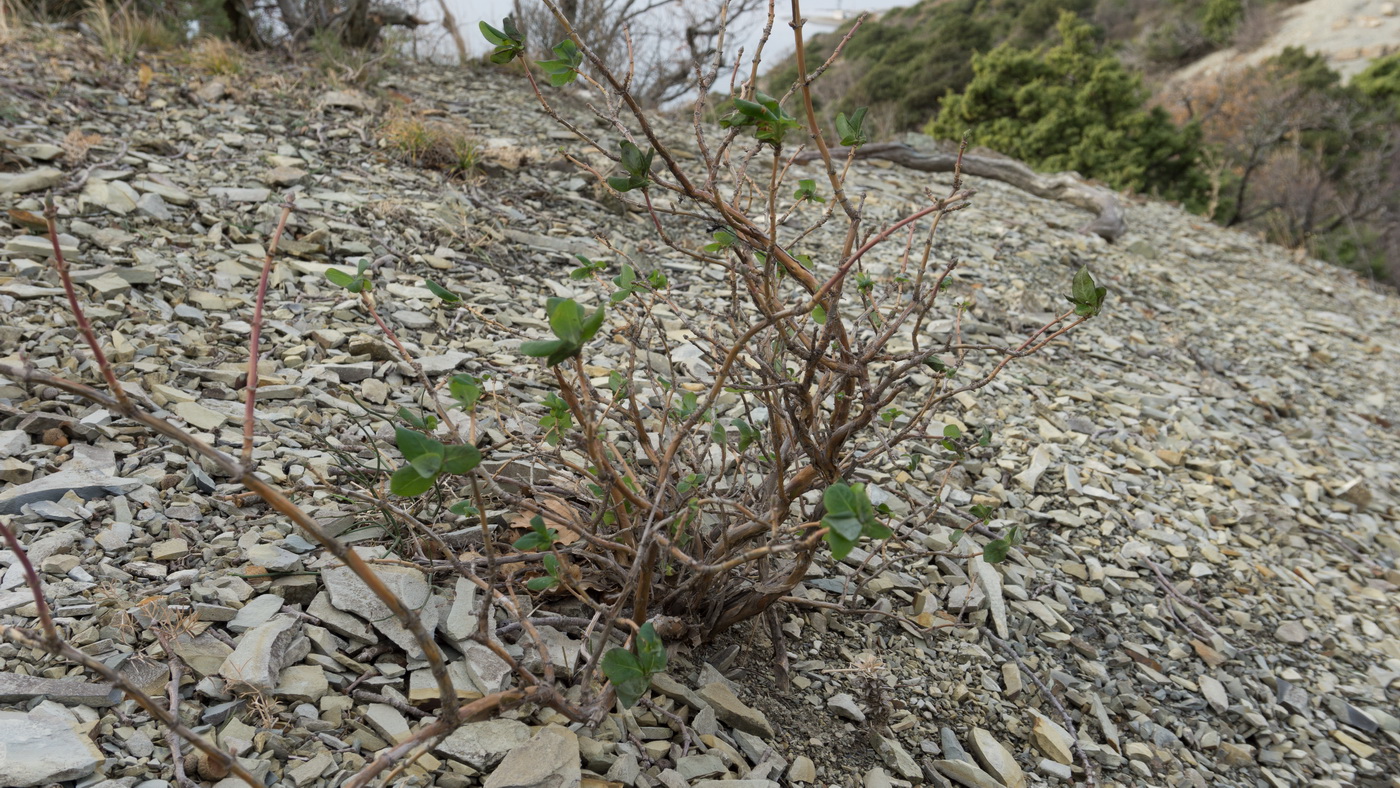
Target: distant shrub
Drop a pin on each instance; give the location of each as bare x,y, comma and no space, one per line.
902,64
1380,82
1220,18
1072,107
1290,150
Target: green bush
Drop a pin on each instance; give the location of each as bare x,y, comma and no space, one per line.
1220,18
1072,107
1380,82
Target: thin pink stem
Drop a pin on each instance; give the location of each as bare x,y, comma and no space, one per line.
255,339
61,265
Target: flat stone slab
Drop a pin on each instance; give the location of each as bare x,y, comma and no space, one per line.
84,484
42,748
18,688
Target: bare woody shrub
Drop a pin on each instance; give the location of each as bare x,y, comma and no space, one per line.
688,487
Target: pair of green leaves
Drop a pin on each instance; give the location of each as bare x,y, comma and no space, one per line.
564,68
539,538
770,122
466,390
1087,298
849,129
724,238
558,421
807,190
359,283
636,164
549,579
571,329
427,460
849,516
588,269
747,434
630,673
996,550
628,284
509,43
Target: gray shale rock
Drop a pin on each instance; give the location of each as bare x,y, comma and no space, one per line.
482,745
732,711
43,747
350,594
549,759
264,651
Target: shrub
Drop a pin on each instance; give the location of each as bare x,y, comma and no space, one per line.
1220,18
685,482
1379,83
1072,107
1312,162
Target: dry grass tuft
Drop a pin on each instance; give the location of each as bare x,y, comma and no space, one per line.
122,33
217,56
430,144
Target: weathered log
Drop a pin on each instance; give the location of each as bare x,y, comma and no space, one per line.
1069,187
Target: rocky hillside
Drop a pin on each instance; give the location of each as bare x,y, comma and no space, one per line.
1209,476
1350,35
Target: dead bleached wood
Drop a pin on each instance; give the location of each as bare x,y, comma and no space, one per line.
1067,187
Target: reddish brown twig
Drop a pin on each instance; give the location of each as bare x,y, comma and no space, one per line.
61,265
255,338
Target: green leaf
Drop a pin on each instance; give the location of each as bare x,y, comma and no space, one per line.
539,537
626,674
564,69
464,508
494,36
996,550
466,389
339,278
592,324
459,459
637,165
541,583
540,348
807,190
723,240
819,315
415,444
429,465
841,516
509,43
876,530
840,545
531,541
1085,295
651,652
952,431
407,482
442,292
1083,286
566,320
849,128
